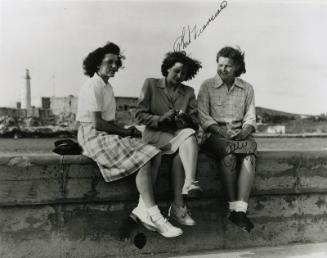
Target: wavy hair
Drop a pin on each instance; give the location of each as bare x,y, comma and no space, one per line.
94,59
236,55
192,65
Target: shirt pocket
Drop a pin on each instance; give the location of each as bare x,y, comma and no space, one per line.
218,102
239,105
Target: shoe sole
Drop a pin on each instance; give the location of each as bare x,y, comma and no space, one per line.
174,218
146,225
184,224
192,193
167,236
151,228
242,228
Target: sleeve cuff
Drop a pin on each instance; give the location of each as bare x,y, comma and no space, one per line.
207,124
254,125
155,121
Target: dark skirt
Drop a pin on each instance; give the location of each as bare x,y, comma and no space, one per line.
219,147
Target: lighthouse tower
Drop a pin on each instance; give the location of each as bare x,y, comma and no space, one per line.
26,94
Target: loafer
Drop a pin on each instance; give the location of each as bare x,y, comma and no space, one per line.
181,214
144,218
241,220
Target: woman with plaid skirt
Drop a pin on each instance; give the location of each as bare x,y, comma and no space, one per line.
116,150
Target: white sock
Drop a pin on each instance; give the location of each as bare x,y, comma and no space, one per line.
232,206
241,206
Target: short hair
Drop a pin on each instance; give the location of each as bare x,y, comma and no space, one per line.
94,59
236,55
192,65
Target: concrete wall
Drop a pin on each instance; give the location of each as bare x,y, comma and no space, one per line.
53,206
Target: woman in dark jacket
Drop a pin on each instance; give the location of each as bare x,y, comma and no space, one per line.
168,110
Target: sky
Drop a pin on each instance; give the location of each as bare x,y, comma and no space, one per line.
284,44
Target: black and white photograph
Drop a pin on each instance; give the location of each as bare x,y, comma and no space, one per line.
163,128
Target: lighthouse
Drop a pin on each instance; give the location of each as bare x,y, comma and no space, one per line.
26,94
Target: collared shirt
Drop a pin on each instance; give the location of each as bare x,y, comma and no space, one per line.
217,104
96,96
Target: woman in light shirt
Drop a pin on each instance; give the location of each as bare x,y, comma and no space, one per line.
227,115
116,150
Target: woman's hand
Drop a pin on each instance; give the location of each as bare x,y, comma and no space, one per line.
168,116
134,132
243,134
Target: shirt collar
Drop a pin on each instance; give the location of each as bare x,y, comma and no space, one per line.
99,80
180,89
219,82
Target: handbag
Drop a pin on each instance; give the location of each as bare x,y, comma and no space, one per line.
67,147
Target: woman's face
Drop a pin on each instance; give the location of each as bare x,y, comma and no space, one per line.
226,68
176,73
109,66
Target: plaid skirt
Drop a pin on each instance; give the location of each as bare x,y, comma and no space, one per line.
116,157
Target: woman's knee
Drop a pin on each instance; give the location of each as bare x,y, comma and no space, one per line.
229,161
190,143
250,160
157,159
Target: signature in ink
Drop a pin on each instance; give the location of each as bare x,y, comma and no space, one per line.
192,33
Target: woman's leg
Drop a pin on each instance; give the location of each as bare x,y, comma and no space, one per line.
178,209
246,178
229,176
151,216
188,152
155,165
144,185
244,185
178,178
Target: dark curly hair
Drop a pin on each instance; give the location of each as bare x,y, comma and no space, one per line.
236,55
94,59
192,65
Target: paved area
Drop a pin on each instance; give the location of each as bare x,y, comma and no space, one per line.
317,250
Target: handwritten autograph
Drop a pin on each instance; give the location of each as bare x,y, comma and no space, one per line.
192,33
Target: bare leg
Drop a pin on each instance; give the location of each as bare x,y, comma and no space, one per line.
155,165
246,178
228,170
188,152
144,185
178,178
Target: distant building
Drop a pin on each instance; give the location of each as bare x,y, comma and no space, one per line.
63,105
126,103
276,129
68,104
45,102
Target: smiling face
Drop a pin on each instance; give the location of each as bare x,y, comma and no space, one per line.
226,68
176,74
109,66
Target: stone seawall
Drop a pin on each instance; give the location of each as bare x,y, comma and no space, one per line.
54,206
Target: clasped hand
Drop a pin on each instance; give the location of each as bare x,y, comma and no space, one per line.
237,135
168,116
134,132
174,120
